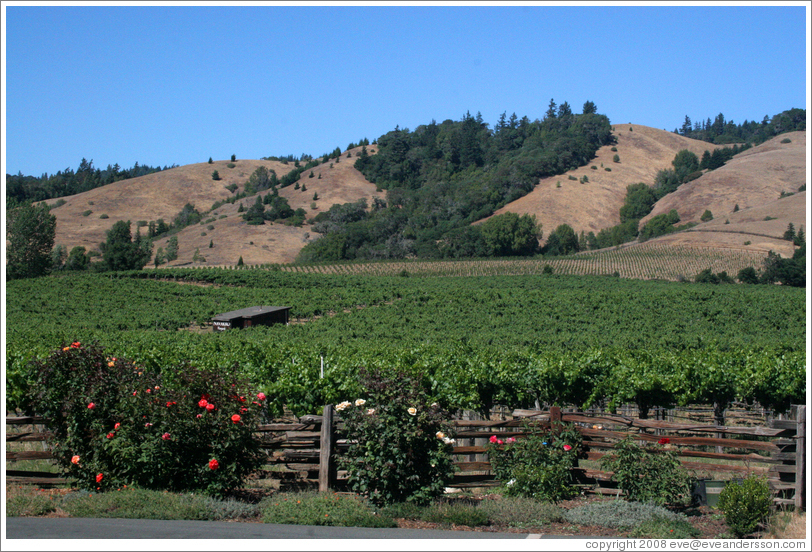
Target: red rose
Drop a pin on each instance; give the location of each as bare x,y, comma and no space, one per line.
91,406
242,399
209,407
567,447
202,403
213,464
118,425
199,416
243,409
235,418
99,477
166,437
149,390
75,344
664,441
111,435
261,396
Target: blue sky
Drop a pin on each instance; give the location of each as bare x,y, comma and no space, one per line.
163,85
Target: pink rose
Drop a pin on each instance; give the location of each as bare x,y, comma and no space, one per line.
166,437
493,439
567,447
261,396
199,416
511,439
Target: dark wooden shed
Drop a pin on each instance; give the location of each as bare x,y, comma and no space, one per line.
251,316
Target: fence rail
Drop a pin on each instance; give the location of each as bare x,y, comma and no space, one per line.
306,450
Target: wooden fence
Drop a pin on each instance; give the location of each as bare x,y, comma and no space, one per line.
303,453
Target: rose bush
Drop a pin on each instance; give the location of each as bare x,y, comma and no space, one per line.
538,465
114,423
400,445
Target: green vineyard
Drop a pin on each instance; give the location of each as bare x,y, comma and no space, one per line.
647,261
474,341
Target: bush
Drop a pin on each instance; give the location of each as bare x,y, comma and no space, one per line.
87,213
103,216
663,528
538,465
617,513
648,474
400,448
746,504
215,175
616,158
114,423
786,141
706,216
231,165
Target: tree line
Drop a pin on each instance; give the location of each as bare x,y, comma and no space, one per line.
22,189
721,131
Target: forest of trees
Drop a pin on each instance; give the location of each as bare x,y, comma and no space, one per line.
720,131
442,177
24,189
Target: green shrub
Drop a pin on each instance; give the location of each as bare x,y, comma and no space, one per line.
231,165
648,474
614,148
607,169
572,177
215,175
114,423
538,465
400,448
594,168
103,216
618,513
87,213
59,203
616,158
786,141
322,509
706,216
746,504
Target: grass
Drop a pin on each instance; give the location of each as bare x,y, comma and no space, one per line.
499,512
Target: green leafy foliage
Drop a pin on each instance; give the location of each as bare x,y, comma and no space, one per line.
114,423
399,444
329,509
746,504
538,465
30,233
648,474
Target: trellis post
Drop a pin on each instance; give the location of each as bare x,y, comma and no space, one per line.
326,471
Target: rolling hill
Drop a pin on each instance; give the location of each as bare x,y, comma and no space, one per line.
754,180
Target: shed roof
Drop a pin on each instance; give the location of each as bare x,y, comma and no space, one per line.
249,312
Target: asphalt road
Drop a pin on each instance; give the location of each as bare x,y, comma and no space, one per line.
90,528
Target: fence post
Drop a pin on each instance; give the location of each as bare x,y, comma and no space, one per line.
326,449
800,459
555,418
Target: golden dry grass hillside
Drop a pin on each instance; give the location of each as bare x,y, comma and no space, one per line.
754,180
595,204
163,195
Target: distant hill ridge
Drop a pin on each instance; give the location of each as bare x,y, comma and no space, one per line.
754,180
